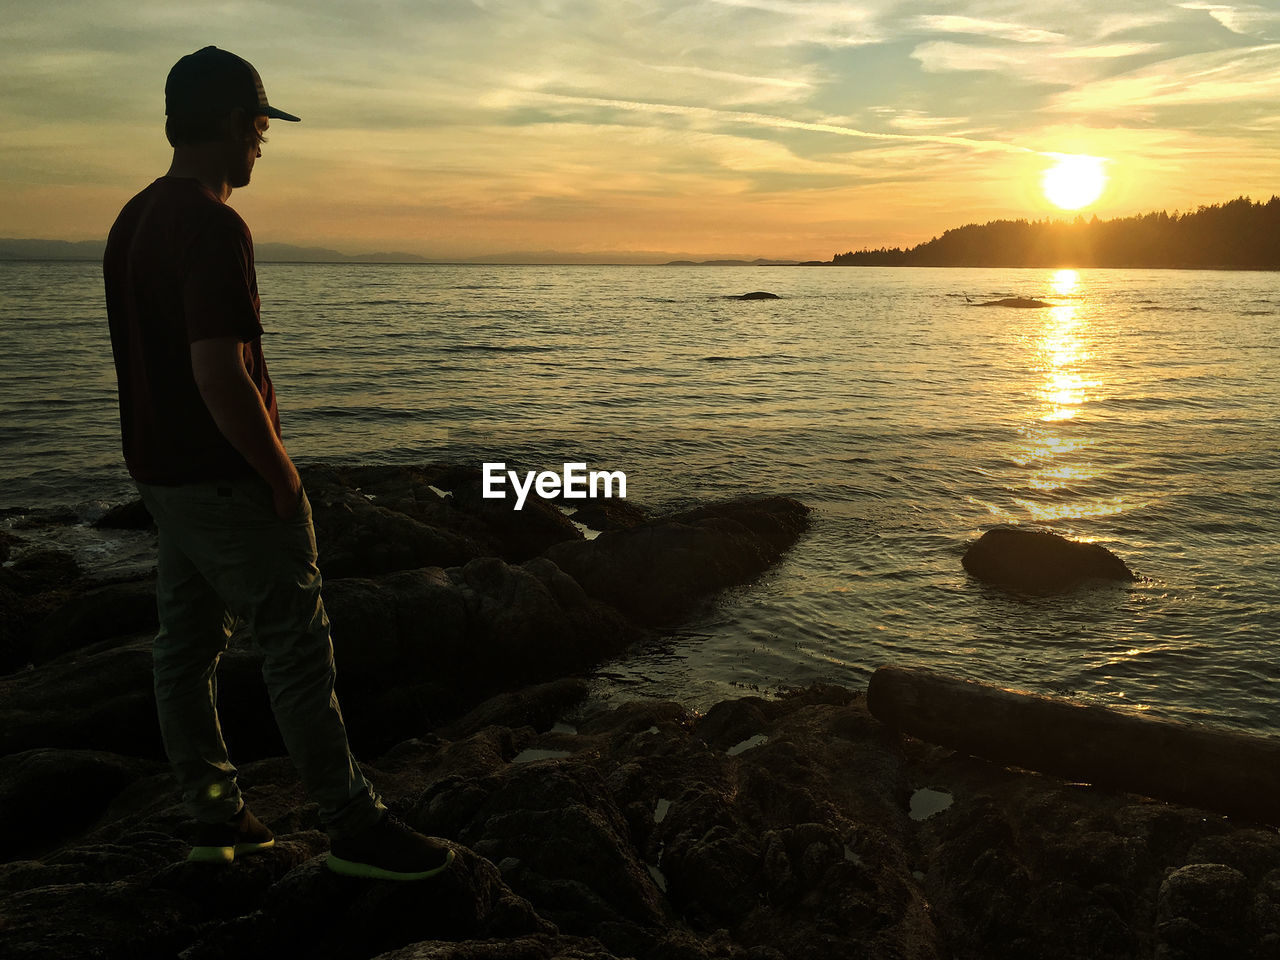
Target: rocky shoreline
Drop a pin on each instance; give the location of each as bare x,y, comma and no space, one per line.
764,828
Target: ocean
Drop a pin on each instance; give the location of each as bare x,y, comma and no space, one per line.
1139,411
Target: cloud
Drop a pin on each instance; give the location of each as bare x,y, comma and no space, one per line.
1249,76
1244,19
1062,65
951,23
820,22
770,122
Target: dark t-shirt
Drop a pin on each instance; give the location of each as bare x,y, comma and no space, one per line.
179,268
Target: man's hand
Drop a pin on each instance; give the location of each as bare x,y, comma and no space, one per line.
288,500
236,407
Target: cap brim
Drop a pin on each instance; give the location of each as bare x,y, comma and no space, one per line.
275,114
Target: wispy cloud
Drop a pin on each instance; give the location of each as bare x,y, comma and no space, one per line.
1248,77
766,121
951,23
1244,19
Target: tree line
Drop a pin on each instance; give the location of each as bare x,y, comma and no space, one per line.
1239,234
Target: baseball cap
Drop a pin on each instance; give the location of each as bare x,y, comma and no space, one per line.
213,79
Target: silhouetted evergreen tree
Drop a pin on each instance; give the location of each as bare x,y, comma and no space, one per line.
1237,234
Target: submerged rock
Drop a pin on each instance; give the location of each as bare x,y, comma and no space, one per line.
757,295
1017,303
1038,560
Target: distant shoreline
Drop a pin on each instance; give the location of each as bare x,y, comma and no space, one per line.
711,264
1237,235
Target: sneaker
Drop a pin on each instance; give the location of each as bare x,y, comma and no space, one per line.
221,842
390,850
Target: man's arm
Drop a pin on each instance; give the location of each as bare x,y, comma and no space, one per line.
237,409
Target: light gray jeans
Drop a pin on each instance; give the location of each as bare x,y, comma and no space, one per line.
226,556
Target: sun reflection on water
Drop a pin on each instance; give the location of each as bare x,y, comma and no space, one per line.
1063,357
1064,282
1054,447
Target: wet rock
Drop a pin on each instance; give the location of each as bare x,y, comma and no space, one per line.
523,948
1036,560
48,795
414,650
40,570
33,585
1204,910
1016,303
99,701
562,842
126,516
110,921
96,614
1253,852
331,916
464,634
661,570
649,837
537,706
373,519
358,537
15,637
757,295
604,515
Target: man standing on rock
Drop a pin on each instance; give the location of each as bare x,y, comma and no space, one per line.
202,440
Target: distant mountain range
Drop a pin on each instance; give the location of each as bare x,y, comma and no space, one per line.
12,249
50,249
21,249
760,262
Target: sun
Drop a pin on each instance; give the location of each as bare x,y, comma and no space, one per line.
1074,181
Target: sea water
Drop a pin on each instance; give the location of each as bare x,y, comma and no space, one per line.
1138,410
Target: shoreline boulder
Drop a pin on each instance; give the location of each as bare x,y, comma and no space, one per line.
659,571
1040,561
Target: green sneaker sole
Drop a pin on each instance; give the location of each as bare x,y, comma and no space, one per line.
226,854
211,855
349,868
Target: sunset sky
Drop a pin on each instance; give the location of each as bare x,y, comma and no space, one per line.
778,128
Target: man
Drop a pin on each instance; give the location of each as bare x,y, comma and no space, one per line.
202,440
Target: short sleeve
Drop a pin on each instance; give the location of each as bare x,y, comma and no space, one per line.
220,287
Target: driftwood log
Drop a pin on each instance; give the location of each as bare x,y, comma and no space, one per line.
1237,774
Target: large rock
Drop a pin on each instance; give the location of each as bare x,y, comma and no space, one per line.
38,571
414,650
358,536
1205,910
98,700
376,519
133,515
48,795
1017,303
96,614
36,584
655,831
1037,560
764,829
417,648
7,542
661,570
